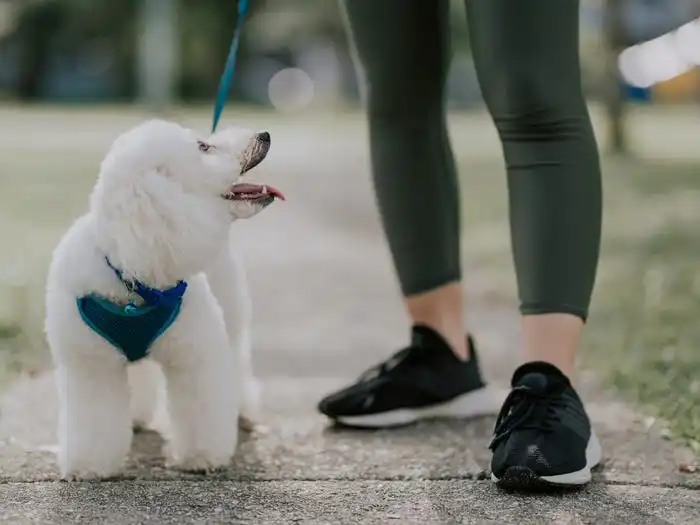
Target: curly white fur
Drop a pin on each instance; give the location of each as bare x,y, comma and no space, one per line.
157,212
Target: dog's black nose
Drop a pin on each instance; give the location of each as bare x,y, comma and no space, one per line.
264,136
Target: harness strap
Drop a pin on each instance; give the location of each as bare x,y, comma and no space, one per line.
152,296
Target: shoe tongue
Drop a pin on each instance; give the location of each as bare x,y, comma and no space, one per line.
539,376
535,381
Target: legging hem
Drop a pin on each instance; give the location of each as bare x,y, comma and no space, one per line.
540,309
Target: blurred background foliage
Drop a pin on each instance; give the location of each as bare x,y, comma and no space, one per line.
90,50
49,48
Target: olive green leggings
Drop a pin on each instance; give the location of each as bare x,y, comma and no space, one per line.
526,56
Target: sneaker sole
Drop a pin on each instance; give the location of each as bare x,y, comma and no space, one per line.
484,401
524,478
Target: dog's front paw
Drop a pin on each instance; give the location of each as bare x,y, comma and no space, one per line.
196,463
95,464
87,475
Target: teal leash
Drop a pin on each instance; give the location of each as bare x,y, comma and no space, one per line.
227,75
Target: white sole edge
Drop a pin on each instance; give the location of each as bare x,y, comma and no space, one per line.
485,401
594,455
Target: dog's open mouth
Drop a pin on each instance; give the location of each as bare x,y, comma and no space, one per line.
253,193
260,194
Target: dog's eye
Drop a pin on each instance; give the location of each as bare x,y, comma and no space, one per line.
204,147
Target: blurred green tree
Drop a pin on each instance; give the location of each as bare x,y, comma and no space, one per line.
46,29
614,98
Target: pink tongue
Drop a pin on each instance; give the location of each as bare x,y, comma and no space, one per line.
247,188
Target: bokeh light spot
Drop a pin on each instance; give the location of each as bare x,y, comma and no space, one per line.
291,89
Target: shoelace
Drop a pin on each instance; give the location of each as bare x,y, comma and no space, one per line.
525,408
402,356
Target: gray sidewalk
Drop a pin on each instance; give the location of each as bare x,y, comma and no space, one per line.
326,307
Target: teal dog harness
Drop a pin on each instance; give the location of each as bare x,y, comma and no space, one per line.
130,328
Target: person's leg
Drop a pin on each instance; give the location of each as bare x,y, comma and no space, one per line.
526,55
403,48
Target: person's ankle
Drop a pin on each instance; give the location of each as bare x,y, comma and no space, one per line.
441,310
552,338
455,338
565,368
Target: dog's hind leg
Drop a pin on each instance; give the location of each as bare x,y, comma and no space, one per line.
145,381
94,431
249,390
228,282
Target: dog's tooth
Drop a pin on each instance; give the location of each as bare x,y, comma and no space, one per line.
264,189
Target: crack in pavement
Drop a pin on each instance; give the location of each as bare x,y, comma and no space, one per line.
479,477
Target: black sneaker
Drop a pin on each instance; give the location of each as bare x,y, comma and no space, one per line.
424,380
543,438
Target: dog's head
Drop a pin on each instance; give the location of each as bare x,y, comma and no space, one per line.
246,149
164,187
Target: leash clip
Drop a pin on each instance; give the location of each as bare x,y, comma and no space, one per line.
130,286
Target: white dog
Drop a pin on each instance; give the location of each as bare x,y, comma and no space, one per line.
149,272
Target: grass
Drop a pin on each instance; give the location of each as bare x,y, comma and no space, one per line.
647,336
643,335
36,205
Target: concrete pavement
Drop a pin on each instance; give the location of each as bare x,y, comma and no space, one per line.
326,307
